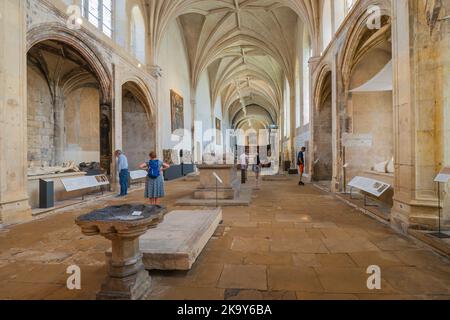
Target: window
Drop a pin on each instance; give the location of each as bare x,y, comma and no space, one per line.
287,109
137,28
307,54
327,28
99,13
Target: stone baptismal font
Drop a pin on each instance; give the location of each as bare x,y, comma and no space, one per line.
127,278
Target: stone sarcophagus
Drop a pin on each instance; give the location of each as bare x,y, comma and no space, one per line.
210,188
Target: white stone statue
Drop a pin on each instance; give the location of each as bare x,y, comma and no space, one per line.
47,170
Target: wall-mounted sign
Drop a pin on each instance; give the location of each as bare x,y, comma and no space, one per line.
357,140
374,187
443,176
86,182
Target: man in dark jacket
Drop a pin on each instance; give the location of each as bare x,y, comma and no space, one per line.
301,165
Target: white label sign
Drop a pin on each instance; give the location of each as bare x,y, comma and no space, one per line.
357,140
138,174
73,184
443,176
374,187
217,177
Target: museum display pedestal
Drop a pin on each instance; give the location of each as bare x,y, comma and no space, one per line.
127,278
209,188
212,193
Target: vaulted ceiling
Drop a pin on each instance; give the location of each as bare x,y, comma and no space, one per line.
247,47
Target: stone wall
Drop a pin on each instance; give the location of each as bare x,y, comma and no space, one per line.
40,120
82,125
138,139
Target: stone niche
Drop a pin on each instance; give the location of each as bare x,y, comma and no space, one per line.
372,116
208,182
63,119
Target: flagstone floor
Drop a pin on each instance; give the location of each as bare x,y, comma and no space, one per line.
291,243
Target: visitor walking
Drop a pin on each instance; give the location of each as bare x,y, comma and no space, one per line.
257,168
301,165
122,168
243,160
154,186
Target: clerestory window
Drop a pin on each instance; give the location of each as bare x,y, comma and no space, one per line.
99,13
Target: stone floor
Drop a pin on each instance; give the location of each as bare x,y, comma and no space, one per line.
290,243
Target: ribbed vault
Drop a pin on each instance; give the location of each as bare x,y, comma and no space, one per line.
247,47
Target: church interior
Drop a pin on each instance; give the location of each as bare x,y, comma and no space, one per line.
238,101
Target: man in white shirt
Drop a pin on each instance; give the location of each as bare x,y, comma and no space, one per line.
243,160
122,168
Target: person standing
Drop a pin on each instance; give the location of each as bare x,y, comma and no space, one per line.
122,168
257,168
301,165
154,186
243,160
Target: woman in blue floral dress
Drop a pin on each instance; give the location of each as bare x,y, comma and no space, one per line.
154,186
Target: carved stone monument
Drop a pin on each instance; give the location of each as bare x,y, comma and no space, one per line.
207,186
127,278
211,192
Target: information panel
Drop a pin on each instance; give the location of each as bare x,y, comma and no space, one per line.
74,184
357,140
443,176
374,187
138,174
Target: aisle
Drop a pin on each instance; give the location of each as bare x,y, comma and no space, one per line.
291,243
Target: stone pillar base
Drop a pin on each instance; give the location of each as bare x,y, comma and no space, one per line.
133,287
15,212
422,216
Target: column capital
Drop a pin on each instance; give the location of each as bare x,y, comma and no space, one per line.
155,70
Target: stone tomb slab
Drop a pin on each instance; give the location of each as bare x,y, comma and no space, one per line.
177,242
243,198
277,177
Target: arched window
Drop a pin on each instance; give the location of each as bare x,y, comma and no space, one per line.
298,110
340,11
307,53
287,109
327,28
137,39
99,13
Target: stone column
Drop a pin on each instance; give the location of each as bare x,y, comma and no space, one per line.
106,127
14,205
156,72
193,145
313,62
336,127
59,129
419,70
293,131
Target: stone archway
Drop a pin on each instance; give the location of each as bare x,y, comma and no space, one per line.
82,43
138,123
369,112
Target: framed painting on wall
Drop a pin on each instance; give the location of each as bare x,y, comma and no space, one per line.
218,131
177,111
